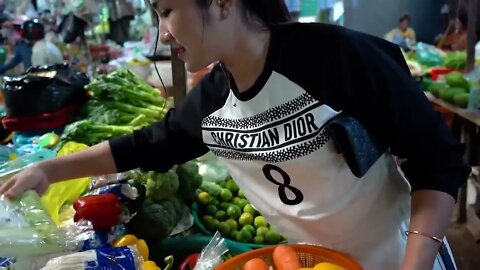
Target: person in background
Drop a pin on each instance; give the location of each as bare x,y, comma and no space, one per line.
33,49
44,52
404,36
455,37
294,8
22,52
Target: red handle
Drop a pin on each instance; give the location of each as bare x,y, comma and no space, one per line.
191,261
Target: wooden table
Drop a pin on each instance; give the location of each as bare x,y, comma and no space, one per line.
472,116
465,126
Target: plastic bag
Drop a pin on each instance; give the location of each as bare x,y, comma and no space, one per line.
45,89
428,55
26,229
7,153
124,192
211,255
211,169
9,168
105,180
64,192
71,27
121,258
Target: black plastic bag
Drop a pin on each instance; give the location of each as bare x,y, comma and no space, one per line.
71,27
44,89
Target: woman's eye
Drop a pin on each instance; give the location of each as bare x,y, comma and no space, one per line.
164,13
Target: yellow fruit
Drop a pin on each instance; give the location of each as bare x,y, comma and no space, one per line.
142,249
204,198
304,268
327,266
126,240
150,265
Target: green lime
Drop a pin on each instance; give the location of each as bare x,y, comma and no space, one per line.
242,203
233,224
241,194
215,202
224,228
250,209
222,184
232,186
245,219
236,200
224,206
249,228
234,211
206,219
204,197
272,237
234,234
226,195
261,231
260,221
213,225
211,209
258,240
221,215
244,236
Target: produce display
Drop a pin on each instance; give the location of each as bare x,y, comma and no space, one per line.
286,258
119,221
25,227
454,89
120,104
224,208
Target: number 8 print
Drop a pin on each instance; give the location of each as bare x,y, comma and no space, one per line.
282,186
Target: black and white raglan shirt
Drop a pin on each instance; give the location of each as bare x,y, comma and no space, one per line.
274,140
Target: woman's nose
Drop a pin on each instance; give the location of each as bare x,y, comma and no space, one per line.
165,37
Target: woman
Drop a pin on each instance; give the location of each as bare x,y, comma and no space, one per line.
456,35
404,36
262,111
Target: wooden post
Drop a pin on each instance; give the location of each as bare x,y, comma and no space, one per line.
179,76
472,33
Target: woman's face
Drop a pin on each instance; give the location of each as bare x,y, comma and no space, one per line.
199,37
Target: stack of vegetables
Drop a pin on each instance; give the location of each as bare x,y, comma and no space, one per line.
455,89
162,200
129,216
421,63
224,208
120,104
286,258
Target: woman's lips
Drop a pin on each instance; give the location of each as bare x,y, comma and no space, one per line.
179,51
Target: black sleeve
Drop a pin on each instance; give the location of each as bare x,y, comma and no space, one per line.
176,139
391,105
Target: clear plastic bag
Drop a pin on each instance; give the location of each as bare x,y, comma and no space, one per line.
22,162
26,229
211,255
126,258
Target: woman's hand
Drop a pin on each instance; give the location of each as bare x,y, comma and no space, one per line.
33,177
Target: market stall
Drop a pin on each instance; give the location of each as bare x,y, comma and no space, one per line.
134,220
451,82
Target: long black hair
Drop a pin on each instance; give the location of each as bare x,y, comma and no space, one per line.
268,12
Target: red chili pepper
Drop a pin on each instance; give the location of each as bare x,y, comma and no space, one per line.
103,210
